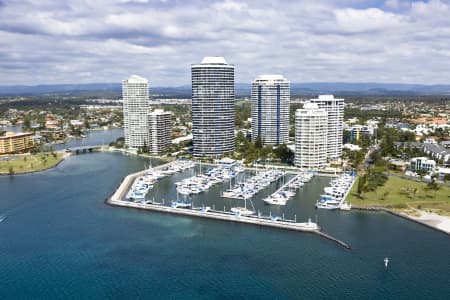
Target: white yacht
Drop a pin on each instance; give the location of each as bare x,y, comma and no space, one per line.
328,204
242,211
181,204
275,200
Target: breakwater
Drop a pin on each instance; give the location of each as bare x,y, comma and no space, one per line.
117,199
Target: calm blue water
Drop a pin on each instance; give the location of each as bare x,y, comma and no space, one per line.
95,137
59,240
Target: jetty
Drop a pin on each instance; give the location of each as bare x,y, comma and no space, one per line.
349,189
118,199
253,185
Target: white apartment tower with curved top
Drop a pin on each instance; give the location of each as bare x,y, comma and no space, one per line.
270,109
311,133
136,108
335,111
212,107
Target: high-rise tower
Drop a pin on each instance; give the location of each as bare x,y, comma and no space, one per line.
212,107
160,123
135,111
270,109
335,110
311,124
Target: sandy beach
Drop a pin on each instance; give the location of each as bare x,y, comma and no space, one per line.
432,219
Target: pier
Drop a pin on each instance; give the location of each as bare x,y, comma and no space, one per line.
117,199
348,190
241,195
286,184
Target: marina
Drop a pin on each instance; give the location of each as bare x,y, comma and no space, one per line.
235,214
94,241
203,182
144,183
336,193
288,190
253,185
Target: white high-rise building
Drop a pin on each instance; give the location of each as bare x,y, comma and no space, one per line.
335,110
160,123
135,111
311,127
270,109
212,107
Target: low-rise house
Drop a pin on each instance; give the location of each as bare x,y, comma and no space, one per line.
438,152
422,164
357,131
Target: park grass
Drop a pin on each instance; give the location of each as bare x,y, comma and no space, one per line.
404,195
30,163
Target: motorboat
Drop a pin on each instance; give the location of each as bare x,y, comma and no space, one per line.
180,204
275,201
183,190
205,208
242,211
332,204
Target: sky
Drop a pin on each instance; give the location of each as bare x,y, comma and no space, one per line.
93,41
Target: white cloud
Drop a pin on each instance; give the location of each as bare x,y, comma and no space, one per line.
104,41
366,20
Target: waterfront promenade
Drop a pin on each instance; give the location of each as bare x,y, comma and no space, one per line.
117,199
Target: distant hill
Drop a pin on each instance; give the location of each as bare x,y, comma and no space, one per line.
242,89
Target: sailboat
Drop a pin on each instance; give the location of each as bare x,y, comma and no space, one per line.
243,211
181,204
386,262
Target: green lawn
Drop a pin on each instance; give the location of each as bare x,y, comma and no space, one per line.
399,193
29,163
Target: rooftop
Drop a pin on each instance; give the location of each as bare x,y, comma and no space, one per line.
11,134
214,60
270,77
309,105
326,97
136,79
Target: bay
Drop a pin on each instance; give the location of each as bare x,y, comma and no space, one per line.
59,240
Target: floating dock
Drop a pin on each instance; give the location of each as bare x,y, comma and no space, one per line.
284,186
348,190
232,195
117,199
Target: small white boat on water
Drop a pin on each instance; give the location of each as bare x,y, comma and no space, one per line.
181,204
332,204
205,208
183,190
274,200
386,262
242,211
